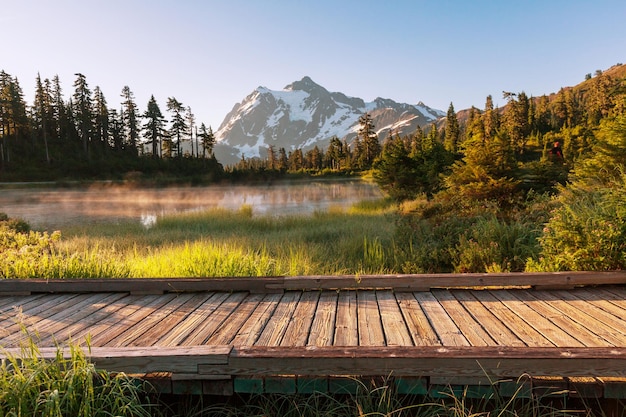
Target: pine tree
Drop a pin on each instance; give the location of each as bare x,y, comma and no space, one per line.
130,119
516,120
191,123
101,113
369,140
42,113
452,132
116,129
179,127
283,161
296,160
83,111
154,127
395,172
490,119
60,111
207,139
334,154
271,158
599,99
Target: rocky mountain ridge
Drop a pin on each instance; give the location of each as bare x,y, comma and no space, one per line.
304,115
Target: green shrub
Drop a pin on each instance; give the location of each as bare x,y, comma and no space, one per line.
586,232
493,245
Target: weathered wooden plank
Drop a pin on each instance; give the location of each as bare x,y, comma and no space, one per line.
136,309
31,305
421,282
585,387
606,305
613,293
206,328
143,319
139,286
497,362
560,319
422,334
252,328
9,303
297,332
61,326
346,328
148,320
25,319
447,331
104,318
595,331
167,320
227,332
499,331
600,309
277,325
394,326
34,328
545,326
133,360
516,324
307,385
368,318
474,332
407,282
323,326
614,387
191,321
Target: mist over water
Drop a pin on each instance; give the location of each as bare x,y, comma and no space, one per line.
53,208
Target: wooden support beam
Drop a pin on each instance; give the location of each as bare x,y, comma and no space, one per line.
400,283
464,362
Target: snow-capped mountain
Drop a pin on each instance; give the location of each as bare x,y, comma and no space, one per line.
305,114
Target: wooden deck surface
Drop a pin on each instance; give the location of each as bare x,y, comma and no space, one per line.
371,327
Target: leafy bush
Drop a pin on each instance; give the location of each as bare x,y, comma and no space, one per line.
30,254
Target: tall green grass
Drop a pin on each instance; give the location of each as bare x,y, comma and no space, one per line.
66,386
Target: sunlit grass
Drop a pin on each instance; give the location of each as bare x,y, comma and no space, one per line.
221,242
68,385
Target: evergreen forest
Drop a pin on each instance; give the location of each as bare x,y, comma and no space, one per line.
538,184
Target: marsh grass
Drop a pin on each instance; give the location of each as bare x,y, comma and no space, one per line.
66,386
221,242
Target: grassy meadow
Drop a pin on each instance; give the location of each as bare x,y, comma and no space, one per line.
371,237
213,243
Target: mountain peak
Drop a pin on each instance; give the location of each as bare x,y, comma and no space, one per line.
304,115
305,84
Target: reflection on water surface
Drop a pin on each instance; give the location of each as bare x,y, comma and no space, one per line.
49,208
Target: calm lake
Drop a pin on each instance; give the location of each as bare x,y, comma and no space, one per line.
53,208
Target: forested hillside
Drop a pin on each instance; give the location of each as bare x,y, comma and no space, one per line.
536,185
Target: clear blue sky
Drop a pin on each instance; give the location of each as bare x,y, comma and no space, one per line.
210,54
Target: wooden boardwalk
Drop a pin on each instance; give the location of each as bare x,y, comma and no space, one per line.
265,334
